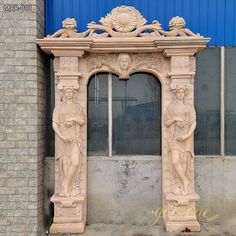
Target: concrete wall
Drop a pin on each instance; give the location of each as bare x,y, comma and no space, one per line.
22,112
127,190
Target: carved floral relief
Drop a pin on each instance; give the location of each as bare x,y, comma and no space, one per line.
124,64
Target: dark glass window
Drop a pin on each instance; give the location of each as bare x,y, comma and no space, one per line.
207,102
230,98
98,115
136,109
136,115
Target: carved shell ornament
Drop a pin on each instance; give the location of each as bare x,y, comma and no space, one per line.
124,21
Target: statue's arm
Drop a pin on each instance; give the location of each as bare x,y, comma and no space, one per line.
169,119
57,130
192,123
57,33
80,120
191,129
171,33
169,122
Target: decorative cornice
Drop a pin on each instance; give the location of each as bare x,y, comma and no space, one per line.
75,46
124,30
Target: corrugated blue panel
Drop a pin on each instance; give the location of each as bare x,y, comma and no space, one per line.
220,31
194,15
229,22
234,25
203,18
187,13
210,18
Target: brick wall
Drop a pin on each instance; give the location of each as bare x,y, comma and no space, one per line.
22,114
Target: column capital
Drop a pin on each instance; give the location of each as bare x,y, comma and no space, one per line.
169,52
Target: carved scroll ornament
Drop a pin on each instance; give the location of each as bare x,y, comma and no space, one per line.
124,21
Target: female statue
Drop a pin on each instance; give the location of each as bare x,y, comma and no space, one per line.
180,118
67,121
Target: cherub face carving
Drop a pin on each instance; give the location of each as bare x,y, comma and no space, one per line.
124,61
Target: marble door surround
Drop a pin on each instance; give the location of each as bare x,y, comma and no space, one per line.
126,45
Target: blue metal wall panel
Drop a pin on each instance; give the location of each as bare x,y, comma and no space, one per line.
210,18
229,21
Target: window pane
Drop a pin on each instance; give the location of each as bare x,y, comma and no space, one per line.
207,102
136,115
230,104
98,115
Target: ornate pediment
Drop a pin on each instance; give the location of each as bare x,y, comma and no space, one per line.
124,21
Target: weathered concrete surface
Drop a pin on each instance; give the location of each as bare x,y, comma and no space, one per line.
133,230
127,190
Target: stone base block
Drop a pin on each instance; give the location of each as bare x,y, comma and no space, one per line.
67,228
180,226
69,214
180,213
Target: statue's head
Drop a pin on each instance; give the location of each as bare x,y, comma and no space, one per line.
124,61
177,22
68,93
180,91
69,23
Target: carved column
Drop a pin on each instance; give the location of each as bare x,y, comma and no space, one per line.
70,157
179,197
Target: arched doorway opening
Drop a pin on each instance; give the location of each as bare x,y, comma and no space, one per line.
124,144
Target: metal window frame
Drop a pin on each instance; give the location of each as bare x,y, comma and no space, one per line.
222,101
222,106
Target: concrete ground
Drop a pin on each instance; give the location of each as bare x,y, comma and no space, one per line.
157,230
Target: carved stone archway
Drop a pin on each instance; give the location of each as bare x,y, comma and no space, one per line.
127,45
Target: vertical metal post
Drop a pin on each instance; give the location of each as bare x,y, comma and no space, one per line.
222,99
110,114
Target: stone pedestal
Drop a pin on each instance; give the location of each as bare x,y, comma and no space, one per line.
181,213
69,214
